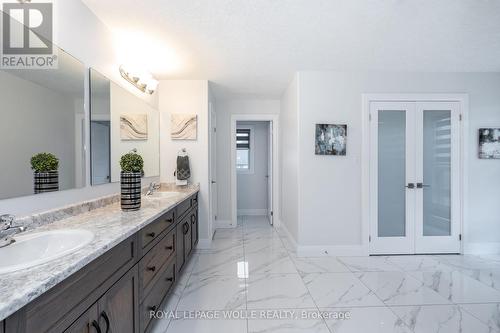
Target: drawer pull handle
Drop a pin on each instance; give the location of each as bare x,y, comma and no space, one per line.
151,268
151,234
106,319
95,325
169,248
169,220
170,279
152,308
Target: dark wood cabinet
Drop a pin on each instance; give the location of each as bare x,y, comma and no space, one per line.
119,307
115,312
115,292
87,323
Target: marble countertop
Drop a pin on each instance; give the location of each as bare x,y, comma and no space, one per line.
110,226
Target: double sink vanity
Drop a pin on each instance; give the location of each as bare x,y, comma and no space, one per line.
87,267
98,270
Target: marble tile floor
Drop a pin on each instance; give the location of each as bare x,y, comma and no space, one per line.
251,282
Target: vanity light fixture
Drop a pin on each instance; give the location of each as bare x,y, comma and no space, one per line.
143,81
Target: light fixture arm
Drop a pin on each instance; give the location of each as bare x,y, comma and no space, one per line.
136,81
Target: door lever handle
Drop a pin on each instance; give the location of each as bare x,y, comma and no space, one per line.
422,185
410,186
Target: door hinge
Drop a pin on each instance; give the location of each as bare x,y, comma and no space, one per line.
460,237
370,117
272,213
460,117
369,239
215,129
215,217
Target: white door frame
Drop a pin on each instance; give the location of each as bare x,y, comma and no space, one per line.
463,100
212,174
274,118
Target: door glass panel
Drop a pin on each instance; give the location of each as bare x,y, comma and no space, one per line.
391,173
437,173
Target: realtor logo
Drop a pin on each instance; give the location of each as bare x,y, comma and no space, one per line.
27,33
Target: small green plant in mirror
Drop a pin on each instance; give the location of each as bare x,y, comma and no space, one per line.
44,162
131,162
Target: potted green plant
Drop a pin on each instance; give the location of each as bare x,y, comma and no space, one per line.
45,171
132,166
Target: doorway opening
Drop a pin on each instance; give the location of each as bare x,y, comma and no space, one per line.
254,166
254,169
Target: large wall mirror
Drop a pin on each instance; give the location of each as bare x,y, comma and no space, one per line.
42,113
120,122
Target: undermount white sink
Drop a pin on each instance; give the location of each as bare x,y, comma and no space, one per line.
39,248
163,195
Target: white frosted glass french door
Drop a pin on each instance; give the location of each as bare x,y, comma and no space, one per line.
414,177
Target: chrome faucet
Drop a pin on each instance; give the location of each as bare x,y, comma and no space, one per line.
153,187
7,230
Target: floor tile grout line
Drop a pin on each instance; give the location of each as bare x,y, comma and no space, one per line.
245,239
477,317
307,288
386,305
181,294
381,300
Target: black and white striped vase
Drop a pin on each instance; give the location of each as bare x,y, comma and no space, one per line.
130,190
46,182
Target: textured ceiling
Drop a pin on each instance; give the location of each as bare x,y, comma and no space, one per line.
252,47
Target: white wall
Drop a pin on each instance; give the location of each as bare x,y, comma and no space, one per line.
190,97
330,202
80,33
123,102
289,159
252,187
226,108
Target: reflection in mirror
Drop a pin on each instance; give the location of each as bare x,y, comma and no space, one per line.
42,112
119,123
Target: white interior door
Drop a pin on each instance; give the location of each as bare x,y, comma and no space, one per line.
392,170
437,228
414,178
270,175
213,164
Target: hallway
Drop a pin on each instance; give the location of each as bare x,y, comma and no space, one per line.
252,269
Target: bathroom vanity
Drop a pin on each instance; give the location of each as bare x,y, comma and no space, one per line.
112,284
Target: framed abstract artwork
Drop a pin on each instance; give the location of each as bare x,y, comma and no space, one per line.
489,143
134,127
331,139
184,126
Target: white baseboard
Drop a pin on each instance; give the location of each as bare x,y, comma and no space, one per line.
283,231
204,244
252,212
482,248
322,251
224,224
332,251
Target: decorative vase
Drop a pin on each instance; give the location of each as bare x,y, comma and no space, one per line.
46,182
130,190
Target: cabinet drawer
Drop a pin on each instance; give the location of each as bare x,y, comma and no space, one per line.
154,230
153,262
157,294
183,207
